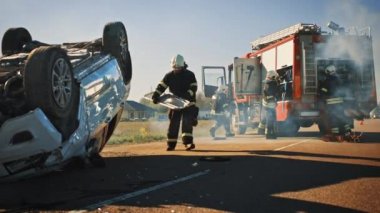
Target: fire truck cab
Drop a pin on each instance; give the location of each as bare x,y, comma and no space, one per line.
300,55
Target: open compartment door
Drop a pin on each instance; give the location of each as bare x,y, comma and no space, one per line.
212,78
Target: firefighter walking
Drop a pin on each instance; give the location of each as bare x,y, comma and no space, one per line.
270,94
220,111
182,83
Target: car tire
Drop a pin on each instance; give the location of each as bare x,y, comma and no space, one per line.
50,85
115,42
14,39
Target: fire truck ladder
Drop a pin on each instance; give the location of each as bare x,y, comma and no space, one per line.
301,27
309,70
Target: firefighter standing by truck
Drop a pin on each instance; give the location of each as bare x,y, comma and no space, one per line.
334,120
270,93
182,83
220,111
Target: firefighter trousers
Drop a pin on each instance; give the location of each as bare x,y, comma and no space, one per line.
338,122
176,116
221,120
270,122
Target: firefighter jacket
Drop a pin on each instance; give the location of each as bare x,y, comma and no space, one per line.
219,102
182,84
270,93
329,90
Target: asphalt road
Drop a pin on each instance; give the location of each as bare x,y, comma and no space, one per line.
242,174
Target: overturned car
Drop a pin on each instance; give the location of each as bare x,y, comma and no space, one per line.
59,102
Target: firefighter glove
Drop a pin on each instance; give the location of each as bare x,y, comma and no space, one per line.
155,99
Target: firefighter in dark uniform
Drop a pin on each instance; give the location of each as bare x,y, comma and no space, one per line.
270,93
182,83
220,110
333,118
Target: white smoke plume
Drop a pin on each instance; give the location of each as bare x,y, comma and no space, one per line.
346,48
351,13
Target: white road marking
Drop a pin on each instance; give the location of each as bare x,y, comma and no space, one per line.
293,144
143,191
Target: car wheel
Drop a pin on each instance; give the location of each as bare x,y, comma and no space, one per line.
50,85
115,42
14,39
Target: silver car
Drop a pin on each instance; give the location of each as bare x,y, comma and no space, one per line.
60,102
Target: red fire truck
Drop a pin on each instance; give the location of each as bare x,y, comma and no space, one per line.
299,54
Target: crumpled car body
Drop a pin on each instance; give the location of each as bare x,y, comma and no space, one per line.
81,104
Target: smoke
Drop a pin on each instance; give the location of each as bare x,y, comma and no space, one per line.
345,48
352,13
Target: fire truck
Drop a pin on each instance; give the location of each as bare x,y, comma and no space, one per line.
299,54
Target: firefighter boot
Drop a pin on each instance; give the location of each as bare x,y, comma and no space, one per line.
187,140
271,134
171,146
190,146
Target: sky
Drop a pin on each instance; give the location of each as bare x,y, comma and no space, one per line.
205,32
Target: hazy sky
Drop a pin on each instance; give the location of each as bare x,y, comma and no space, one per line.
205,32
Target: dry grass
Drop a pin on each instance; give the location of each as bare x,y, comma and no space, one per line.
147,131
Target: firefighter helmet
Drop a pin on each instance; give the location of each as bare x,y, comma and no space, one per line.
177,61
330,70
271,74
